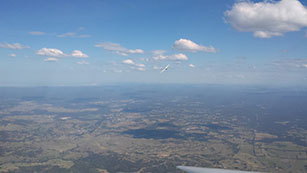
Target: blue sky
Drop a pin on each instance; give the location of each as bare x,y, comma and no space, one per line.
73,43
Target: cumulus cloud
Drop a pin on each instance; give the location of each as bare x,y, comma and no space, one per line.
191,65
78,54
37,33
174,57
156,67
188,45
139,67
12,55
267,19
51,59
298,63
83,63
13,46
50,52
177,57
67,34
59,54
158,52
128,61
118,49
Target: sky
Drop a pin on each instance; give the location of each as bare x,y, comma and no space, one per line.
98,42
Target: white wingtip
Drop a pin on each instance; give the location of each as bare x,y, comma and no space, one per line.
191,169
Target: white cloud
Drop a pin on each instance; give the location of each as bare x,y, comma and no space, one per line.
135,51
37,33
67,34
58,53
139,67
188,45
118,49
73,35
156,68
268,18
299,63
158,52
179,57
13,46
50,52
78,54
83,63
128,61
191,65
12,55
174,57
51,59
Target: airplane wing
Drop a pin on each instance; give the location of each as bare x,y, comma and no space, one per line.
164,69
191,169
